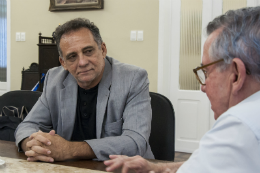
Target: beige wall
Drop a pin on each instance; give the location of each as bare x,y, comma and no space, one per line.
115,22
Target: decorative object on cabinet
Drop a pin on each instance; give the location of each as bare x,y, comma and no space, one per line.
58,5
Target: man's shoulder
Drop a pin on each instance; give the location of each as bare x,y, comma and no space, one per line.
246,112
124,68
127,76
229,140
56,70
56,75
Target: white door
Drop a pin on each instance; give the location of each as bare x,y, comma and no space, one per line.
5,85
193,115
192,106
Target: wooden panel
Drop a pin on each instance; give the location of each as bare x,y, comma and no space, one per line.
188,118
48,58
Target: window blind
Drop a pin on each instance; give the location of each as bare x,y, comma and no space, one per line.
3,40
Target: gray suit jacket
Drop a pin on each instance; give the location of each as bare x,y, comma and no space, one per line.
123,115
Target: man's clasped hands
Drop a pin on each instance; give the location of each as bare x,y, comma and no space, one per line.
45,147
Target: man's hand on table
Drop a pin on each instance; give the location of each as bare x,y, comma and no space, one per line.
48,147
139,165
58,149
35,149
136,163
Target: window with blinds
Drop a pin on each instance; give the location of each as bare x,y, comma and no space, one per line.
3,40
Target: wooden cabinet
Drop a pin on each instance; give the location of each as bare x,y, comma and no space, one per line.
48,56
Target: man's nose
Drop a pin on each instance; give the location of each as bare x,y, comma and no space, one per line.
83,60
203,88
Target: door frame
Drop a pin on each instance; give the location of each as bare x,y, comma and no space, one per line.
165,45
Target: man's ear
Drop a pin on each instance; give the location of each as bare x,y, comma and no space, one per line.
62,62
239,71
104,49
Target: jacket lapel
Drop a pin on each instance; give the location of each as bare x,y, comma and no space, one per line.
68,100
103,95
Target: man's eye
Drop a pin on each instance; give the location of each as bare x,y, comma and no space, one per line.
71,57
88,51
205,72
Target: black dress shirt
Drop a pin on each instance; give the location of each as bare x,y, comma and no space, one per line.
85,122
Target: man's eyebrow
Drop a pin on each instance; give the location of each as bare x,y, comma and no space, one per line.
88,47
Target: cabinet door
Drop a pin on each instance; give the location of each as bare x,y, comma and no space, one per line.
48,58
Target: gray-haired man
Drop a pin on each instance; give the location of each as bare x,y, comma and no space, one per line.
97,105
230,76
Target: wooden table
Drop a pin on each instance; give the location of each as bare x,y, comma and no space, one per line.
9,149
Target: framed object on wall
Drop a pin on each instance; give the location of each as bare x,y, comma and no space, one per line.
61,5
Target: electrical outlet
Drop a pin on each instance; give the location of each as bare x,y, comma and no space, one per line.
133,36
22,36
18,36
140,35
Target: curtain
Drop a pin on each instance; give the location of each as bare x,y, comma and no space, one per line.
3,40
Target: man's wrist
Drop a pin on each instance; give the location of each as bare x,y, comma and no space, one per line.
79,150
67,154
157,167
161,167
23,144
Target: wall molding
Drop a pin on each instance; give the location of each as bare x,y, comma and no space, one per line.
165,45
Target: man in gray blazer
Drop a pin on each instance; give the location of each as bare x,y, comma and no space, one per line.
96,105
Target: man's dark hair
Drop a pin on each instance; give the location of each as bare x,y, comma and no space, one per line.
74,25
239,38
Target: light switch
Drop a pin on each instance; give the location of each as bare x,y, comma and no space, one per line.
22,36
140,35
133,36
18,36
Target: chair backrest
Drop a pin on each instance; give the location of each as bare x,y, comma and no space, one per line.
19,98
30,77
162,138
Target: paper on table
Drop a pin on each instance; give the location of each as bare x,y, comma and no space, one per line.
23,166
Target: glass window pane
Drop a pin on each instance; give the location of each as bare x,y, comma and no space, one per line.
233,5
3,42
190,43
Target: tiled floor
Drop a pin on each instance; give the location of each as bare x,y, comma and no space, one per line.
181,157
